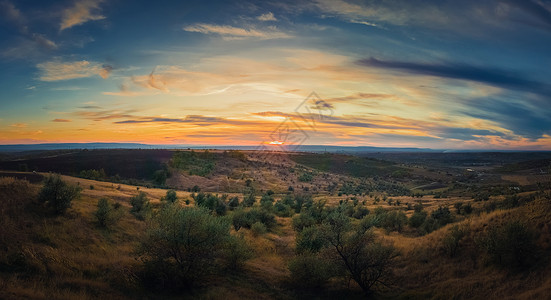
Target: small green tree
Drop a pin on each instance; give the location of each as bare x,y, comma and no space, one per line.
183,244
367,261
57,194
141,208
107,214
310,271
171,196
512,245
417,219
249,200
104,211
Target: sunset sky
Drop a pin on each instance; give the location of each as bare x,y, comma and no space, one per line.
438,74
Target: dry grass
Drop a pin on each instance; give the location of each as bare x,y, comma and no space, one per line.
70,257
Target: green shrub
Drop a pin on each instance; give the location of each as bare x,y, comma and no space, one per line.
511,246
305,177
107,214
242,218
141,208
282,210
310,240
394,221
233,203
310,271
360,212
452,239
57,194
258,228
442,215
417,219
301,221
184,244
249,200
171,196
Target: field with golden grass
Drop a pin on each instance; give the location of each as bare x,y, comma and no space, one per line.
71,256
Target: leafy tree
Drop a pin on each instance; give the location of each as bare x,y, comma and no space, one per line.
57,194
367,261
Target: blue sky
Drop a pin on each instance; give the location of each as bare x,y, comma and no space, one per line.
440,74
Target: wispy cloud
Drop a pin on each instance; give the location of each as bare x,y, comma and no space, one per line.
231,32
32,42
81,12
61,120
197,120
19,125
58,70
486,75
269,16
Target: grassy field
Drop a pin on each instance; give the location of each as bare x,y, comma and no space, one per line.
463,247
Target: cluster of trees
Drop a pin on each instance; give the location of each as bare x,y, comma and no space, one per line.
365,187
195,163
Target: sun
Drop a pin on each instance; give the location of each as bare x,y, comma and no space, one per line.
276,143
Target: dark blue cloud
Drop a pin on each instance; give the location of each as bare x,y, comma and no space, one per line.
486,75
513,115
536,9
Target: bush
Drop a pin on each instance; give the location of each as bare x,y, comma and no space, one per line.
171,196
394,221
233,203
57,194
417,219
511,246
141,208
305,177
283,210
310,271
310,240
249,200
246,219
442,215
107,214
452,239
184,244
258,228
360,212
301,221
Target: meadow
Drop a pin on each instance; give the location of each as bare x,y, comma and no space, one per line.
126,224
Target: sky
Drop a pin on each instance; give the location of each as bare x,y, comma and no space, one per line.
464,74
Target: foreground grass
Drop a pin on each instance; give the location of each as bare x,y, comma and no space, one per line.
71,257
